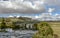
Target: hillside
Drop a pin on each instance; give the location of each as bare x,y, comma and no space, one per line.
20,19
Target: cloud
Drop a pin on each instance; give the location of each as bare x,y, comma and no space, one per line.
10,16
48,17
28,6
50,10
41,17
52,2
20,6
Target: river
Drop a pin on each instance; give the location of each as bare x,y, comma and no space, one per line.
18,34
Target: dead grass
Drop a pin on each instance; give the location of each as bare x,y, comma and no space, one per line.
56,28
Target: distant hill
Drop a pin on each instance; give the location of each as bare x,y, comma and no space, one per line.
20,19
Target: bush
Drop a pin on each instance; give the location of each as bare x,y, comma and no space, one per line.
44,31
3,24
35,27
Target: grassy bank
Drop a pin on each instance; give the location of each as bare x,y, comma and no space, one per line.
56,28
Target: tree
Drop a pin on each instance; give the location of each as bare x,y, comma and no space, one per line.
3,24
35,27
14,26
7,19
44,31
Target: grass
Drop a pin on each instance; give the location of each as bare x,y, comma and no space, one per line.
56,27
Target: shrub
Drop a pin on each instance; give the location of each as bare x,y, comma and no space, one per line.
44,31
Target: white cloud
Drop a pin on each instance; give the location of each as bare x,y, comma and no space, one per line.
20,6
56,14
26,6
42,17
52,2
10,16
36,17
18,16
51,10
49,17
30,7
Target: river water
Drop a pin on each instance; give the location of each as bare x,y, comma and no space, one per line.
18,34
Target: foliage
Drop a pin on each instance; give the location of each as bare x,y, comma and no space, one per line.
14,26
7,19
35,27
3,24
22,24
44,31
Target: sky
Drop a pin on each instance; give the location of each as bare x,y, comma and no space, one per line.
31,8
